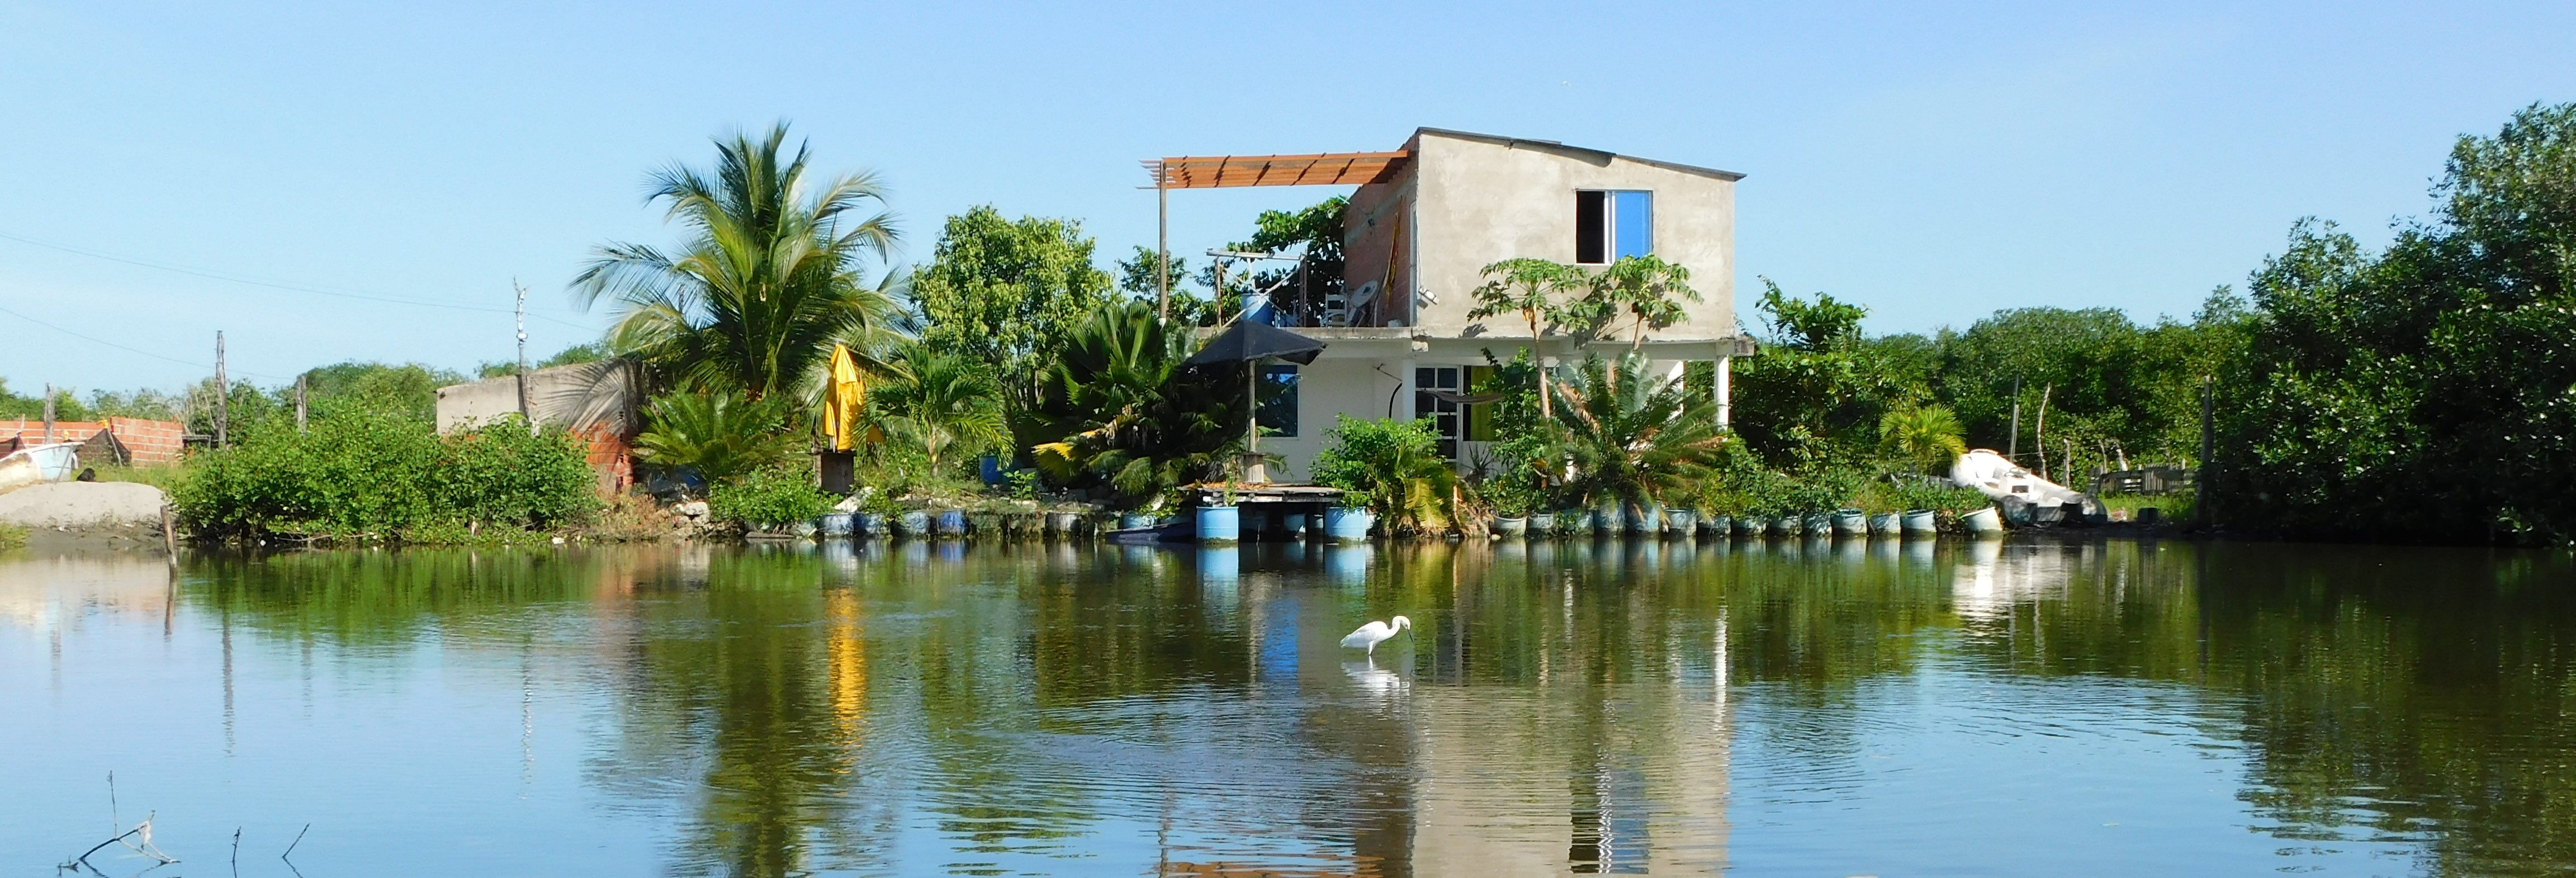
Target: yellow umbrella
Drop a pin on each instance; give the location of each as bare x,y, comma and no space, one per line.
848,396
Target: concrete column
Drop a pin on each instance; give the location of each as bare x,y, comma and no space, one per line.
1724,383
1404,408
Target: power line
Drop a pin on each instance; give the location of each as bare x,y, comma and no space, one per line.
97,340
221,276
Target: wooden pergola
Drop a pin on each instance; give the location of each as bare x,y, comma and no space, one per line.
1226,171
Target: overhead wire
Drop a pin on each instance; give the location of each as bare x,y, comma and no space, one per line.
96,340
230,278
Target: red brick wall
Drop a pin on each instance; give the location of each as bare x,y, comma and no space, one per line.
151,442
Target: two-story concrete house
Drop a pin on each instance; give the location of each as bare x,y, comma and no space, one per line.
1424,222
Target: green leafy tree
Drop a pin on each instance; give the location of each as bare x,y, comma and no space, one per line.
1533,289
2428,391
770,276
1649,289
1005,293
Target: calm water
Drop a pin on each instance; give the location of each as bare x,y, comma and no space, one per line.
2112,708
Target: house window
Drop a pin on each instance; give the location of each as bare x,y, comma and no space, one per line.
1609,224
1277,413
1435,396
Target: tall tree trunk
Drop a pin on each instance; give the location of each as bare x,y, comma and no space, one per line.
1546,412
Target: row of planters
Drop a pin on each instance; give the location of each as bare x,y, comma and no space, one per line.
1651,521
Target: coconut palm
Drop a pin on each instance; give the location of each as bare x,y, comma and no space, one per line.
1634,435
1926,436
773,272
939,402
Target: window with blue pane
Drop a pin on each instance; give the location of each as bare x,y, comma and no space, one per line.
1277,413
1609,224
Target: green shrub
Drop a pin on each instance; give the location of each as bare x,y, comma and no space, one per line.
769,499
383,475
12,536
1394,467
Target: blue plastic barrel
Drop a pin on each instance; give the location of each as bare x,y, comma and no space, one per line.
1219,525
1346,524
952,522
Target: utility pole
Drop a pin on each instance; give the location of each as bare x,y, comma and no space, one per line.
524,414
299,403
1218,296
1162,243
223,392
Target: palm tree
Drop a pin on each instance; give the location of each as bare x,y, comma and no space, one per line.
1925,435
1648,287
720,435
940,402
1527,286
771,275
1633,435
1127,414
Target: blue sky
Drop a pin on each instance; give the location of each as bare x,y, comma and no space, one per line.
1933,165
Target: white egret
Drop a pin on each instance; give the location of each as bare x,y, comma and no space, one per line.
1374,633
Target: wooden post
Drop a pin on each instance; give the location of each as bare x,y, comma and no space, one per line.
1162,243
223,392
2208,448
301,404
524,414
2012,452
169,535
1218,295
2039,430
49,413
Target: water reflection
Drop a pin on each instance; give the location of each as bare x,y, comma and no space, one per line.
1573,706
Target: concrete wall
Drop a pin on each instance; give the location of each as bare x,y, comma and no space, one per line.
1480,201
1325,388
1376,232
581,396
150,442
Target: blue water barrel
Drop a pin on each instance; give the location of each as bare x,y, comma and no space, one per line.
1919,521
915,523
1345,524
868,524
1219,525
951,523
834,524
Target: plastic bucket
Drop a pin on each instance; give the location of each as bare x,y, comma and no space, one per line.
1511,526
1716,525
1786,526
1818,524
868,524
1542,523
951,523
1850,523
1063,523
1883,524
834,524
1681,522
1219,525
1345,524
915,523
1641,520
1133,520
1919,521
1983,521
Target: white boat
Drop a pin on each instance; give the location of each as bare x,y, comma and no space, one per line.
2015,489
53,462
